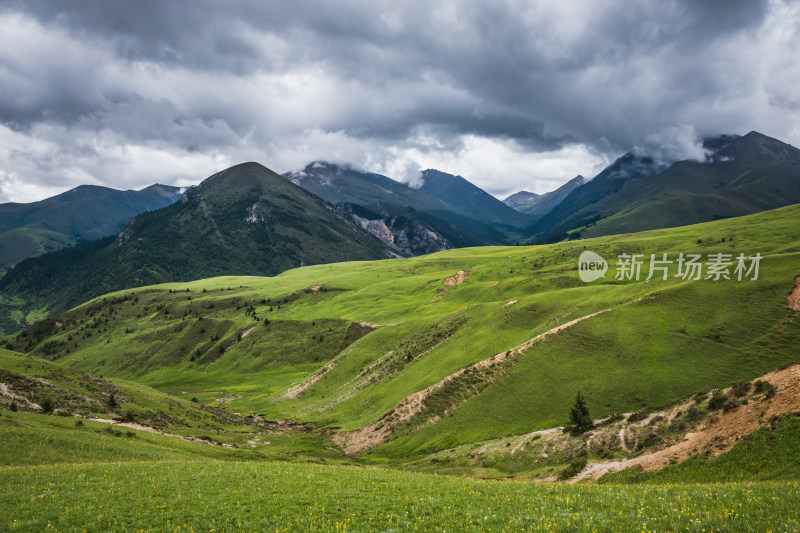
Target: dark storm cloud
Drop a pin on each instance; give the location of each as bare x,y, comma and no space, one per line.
392,84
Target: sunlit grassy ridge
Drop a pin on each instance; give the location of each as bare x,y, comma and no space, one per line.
376,332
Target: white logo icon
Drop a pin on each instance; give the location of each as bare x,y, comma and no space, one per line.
591,266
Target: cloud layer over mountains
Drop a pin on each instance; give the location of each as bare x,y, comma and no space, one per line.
510,94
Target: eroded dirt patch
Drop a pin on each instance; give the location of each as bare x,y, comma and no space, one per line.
720,433
457,279
793,298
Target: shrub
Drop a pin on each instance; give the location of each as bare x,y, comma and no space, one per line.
741,389
78,423
717,401
678,425
700,396
638,416
112,401
730,406
650,440
693,413
573,469
612,419
13,407
765,387
47,405
195,400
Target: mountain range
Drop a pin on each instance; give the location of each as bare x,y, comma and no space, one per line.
188,355
445,211
86,213
540,204
245,220
250,220
740,176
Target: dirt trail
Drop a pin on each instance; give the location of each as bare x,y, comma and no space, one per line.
720,434
622,443
793,298
295,391
132,425
244,334
379,432
6,391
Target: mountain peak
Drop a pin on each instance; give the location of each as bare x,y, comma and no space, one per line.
539,205
249,174
756,146
463,195
631,165
521,195
324,171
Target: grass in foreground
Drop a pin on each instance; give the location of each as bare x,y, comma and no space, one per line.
217,496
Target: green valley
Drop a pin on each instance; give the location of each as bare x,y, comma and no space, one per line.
463,362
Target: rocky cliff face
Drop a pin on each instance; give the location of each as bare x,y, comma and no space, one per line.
405,235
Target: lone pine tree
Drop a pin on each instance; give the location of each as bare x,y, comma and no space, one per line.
579,419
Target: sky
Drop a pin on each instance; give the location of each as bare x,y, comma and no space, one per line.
509,94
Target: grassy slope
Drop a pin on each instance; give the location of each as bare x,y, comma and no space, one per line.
662,340
243,220
768,454
33,438
84,213
749,175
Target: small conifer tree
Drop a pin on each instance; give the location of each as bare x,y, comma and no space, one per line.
580,421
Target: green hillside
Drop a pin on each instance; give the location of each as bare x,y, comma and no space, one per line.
743,175
244,220
85,213
459,362
343,345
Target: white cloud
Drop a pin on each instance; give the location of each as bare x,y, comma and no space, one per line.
674,143
98,158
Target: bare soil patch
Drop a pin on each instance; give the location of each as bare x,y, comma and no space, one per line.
721,431
457,279
793,298
140,427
